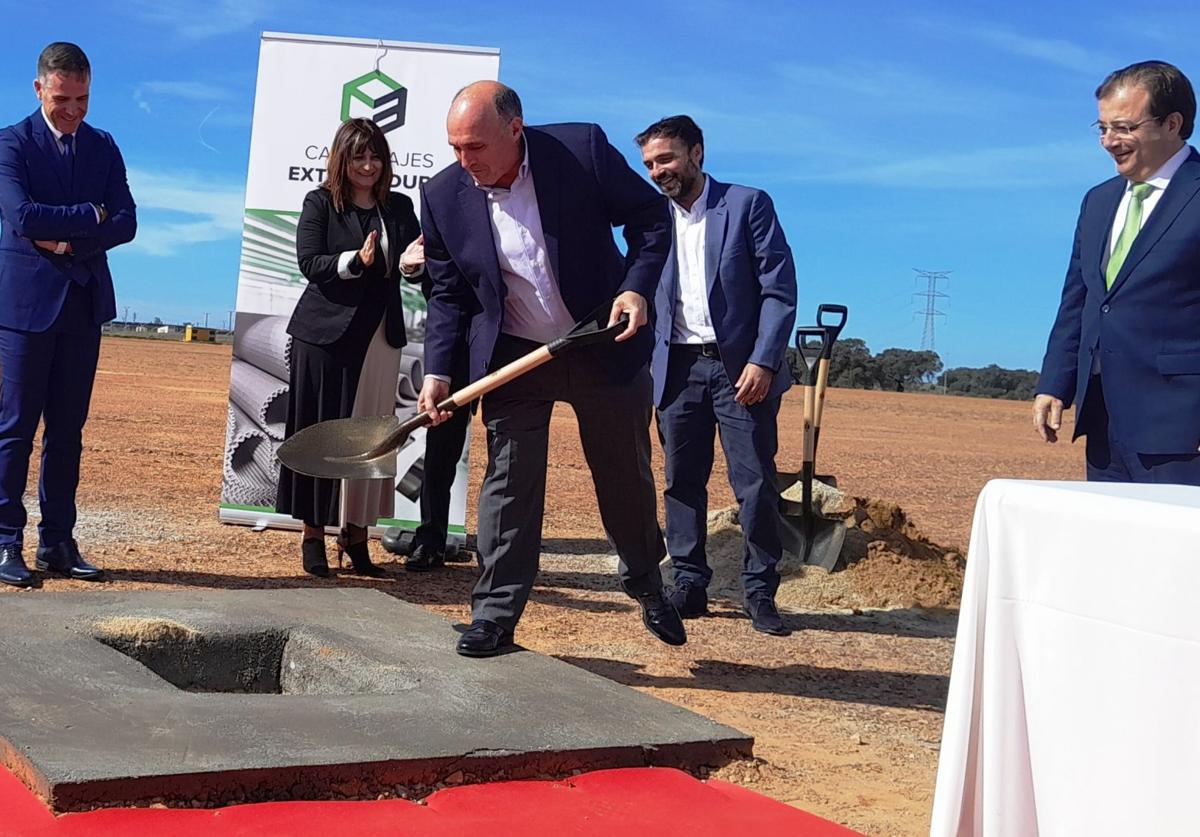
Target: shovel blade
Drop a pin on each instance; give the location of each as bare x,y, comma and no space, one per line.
823,549
334,449
785,480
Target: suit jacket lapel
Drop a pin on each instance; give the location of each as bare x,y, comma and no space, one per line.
547,185
1107,203
1182,188
476,235
714,232
49,145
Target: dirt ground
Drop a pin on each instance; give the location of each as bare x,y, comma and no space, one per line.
846,712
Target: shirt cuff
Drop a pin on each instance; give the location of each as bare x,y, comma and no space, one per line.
344,265
96,209
445,379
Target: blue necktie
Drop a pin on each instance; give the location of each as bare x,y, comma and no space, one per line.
68,155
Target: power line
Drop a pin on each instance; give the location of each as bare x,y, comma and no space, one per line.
931,295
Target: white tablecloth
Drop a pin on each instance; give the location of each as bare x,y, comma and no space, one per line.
1074,705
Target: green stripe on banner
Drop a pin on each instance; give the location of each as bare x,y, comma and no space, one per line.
413,524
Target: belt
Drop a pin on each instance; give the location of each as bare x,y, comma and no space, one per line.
702,349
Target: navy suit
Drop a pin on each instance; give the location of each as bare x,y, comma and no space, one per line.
1141,414
750,280
51,308
584,188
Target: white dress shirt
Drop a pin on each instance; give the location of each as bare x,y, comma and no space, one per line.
1159,181
692,322
533,307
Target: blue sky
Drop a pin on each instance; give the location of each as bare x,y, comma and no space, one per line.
891,136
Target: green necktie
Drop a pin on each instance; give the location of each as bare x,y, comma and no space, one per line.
1133,223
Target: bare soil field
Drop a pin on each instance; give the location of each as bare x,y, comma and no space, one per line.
846,712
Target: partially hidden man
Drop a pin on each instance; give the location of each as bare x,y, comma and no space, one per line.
64,203
519,246
1125,347
725,308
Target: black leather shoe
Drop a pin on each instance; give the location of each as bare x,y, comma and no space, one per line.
423,559
661,618
64,558
764,616
483,639
690,599
12,566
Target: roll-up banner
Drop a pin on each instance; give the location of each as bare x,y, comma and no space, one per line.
307,86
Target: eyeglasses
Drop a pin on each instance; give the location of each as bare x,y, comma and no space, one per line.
1120,130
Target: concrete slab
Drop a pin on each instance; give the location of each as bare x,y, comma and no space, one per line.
214,697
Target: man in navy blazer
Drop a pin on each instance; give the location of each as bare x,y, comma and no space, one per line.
64,202
519,246
1125,347
725,308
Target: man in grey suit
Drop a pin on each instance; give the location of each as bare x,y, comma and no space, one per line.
519,246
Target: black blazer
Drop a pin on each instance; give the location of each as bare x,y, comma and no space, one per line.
329,302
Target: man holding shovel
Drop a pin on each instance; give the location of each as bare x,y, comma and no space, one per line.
725,308
519,246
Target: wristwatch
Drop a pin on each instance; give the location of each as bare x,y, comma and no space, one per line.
61,248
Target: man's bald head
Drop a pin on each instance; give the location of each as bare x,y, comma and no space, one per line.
502,99
484,127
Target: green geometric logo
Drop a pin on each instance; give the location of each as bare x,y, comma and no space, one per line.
386,97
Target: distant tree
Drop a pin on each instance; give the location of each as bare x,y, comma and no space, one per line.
902,369
905,370
992,382
158,321
852,365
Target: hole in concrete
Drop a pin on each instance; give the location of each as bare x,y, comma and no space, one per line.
272,661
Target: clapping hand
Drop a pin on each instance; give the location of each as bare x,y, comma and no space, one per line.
413,256
367,254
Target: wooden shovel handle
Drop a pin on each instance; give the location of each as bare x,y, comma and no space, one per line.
501,376
462,398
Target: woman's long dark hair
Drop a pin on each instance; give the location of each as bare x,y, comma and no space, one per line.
352,138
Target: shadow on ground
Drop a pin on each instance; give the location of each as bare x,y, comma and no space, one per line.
879,688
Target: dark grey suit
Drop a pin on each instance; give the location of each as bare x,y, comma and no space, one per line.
584,188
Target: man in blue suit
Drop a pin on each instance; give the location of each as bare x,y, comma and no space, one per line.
519,246
1125,347
725,308
64,203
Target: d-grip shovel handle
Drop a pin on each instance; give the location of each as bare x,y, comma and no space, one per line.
832,330
809,356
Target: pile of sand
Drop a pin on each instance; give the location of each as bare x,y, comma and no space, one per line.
888,563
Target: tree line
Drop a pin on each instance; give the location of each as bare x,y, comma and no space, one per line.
853,365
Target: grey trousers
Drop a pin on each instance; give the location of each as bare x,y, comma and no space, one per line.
614,422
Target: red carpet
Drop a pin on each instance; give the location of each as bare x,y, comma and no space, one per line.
607,803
